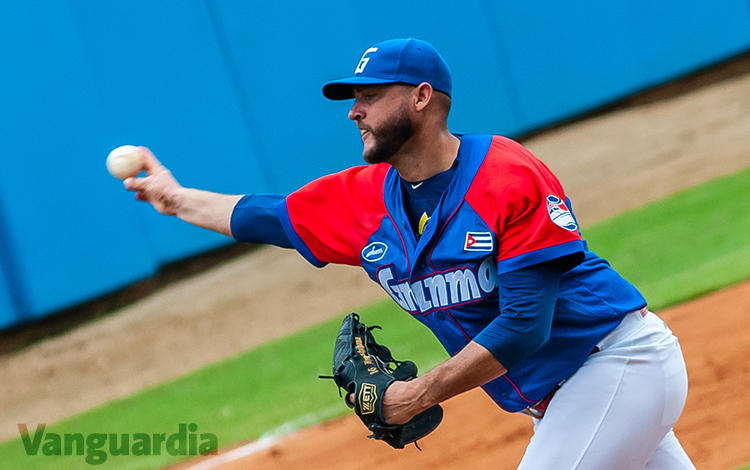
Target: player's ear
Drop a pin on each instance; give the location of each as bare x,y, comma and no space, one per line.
422,95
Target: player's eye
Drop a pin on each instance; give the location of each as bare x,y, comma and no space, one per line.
368,96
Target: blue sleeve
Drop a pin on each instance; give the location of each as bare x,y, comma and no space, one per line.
528,298
255,220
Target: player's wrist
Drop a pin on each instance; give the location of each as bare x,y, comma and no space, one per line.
182,202
424,393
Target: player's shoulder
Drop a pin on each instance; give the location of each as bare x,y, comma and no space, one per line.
359,188
365,173
361,178
508,162
508,152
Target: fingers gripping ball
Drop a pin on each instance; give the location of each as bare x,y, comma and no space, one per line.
125,162
365,369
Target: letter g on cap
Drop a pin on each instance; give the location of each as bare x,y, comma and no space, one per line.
364,60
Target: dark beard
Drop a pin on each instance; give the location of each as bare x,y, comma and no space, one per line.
390,137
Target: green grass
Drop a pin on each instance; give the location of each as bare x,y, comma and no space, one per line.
681,247
675,249
269,389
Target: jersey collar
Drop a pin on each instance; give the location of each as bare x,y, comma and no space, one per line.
471,154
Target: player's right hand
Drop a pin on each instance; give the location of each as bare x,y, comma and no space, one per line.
158,187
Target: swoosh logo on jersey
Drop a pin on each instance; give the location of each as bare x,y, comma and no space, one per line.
375,251
415,186
560,214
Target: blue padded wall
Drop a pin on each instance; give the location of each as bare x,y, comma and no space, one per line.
571,57
227,94
161,75
67,227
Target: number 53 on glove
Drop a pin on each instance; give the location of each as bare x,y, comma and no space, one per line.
365,369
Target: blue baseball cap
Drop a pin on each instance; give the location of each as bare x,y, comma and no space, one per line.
409,60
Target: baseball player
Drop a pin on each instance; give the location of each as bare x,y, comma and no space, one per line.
474,237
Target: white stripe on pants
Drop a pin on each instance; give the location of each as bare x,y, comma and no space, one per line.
617,411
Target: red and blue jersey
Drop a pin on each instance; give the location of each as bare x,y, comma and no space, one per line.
503,210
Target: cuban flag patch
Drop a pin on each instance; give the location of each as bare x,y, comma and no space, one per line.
560,214
478,241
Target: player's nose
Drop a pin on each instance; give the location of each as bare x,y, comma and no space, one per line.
357,111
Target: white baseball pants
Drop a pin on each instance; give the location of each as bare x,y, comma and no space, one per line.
617,411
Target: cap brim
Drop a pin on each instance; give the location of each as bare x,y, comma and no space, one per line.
342,89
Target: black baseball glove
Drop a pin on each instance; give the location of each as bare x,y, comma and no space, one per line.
365,369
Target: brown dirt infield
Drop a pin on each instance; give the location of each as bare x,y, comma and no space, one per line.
607,163
714,428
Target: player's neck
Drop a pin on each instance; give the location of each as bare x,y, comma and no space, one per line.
426,155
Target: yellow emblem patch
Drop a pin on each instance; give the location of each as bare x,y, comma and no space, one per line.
367,398
422,222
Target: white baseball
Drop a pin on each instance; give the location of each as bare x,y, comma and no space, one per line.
125,161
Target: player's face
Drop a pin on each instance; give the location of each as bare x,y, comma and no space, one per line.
382,116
